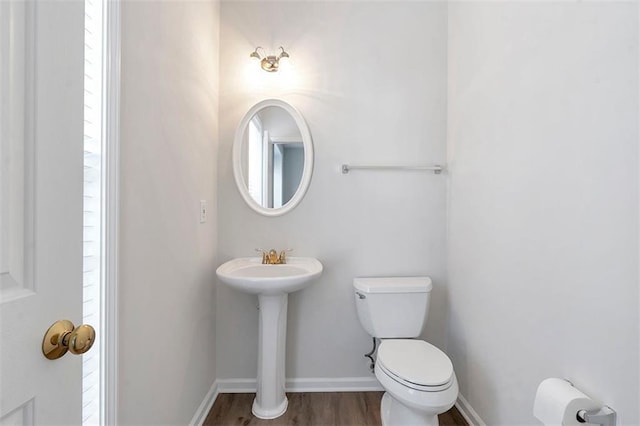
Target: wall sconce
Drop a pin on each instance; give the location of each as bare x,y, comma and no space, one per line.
269,63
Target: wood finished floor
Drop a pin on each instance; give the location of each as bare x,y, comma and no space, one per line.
312,409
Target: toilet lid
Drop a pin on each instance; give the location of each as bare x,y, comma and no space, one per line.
415,362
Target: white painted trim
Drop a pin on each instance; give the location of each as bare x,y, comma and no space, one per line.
112,200
467,411
284,139
203,410
638,178
311,384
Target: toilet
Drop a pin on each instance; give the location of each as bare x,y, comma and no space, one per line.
418,377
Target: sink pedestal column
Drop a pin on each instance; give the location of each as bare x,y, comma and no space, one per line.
271,401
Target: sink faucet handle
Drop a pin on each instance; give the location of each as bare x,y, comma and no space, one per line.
265,255
283,255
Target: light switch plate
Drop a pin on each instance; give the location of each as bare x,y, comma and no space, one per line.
203,211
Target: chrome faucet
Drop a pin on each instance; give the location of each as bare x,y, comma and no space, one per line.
271,257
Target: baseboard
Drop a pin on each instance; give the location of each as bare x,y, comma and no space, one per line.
336,384
468,412
204,408
313,384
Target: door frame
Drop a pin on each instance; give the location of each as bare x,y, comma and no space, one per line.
111,209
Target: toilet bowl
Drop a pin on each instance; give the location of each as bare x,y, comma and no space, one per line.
419,382
418,377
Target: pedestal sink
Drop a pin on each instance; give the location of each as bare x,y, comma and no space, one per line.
272,284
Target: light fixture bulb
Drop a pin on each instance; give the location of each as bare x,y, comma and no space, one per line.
283,54
256,54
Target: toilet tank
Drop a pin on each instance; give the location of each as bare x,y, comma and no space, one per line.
392,307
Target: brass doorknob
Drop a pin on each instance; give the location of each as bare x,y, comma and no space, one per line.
62,336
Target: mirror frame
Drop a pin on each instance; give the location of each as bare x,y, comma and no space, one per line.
307,168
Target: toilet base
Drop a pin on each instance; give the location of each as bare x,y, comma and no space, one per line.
393,413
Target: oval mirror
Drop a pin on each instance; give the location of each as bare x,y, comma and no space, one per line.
272,157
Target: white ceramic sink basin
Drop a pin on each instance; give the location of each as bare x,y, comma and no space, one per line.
272,284
249,275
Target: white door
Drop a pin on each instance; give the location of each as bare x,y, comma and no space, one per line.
41,174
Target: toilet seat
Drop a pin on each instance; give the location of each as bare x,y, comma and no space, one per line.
415,364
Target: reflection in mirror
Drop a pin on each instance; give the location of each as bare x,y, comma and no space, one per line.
272,157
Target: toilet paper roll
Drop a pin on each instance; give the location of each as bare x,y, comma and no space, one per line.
557,403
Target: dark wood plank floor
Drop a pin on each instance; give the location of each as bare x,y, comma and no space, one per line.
312,409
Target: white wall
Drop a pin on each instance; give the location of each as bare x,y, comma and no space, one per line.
543,230
370,80
168,164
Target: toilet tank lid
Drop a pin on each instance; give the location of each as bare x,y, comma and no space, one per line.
393,284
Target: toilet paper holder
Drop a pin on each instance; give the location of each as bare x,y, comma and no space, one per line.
558,401
605,416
